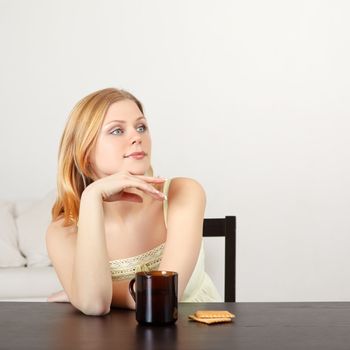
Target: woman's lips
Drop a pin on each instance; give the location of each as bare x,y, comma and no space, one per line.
140,156
136,155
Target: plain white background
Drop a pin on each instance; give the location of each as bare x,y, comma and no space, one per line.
251,98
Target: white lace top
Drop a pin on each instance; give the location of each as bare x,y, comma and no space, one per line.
126,268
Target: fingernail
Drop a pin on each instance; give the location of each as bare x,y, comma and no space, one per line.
162,195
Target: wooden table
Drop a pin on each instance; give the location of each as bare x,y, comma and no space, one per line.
280,326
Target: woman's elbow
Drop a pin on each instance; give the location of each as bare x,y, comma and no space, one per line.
96,309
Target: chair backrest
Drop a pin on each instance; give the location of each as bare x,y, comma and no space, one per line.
225,227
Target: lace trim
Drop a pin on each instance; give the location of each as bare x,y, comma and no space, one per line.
126,268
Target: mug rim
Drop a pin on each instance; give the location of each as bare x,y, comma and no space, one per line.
156,273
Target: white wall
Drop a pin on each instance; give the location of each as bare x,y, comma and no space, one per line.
249,97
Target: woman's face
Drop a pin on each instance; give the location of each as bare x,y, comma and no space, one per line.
124,131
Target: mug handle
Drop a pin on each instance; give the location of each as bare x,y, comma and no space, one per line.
131,289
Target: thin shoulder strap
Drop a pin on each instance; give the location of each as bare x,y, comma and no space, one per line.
165,202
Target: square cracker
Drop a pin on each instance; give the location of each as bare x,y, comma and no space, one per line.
213,314
210,320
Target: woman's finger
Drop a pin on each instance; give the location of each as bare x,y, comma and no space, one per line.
125,196
150,190
151,179
145,187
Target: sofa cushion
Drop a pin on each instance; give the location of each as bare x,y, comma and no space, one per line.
32,225
21,205
28,282
10,255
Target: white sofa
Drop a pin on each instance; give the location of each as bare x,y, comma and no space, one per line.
26,272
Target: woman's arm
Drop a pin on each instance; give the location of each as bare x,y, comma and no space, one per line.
91,285
58,297
186,206
81,258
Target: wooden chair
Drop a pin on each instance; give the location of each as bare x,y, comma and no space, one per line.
225,227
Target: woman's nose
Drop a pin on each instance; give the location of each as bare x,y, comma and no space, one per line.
136,139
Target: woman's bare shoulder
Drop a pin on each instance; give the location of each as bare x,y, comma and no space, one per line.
185,187
186,183
57,227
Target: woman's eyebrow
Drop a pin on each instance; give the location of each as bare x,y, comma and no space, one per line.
123,121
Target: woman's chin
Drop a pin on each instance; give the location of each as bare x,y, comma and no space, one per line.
137,170
132,172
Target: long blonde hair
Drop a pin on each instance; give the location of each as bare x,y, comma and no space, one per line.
78,139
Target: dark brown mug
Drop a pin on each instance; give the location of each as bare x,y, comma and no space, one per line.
155,296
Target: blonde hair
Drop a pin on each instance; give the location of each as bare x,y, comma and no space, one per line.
78,140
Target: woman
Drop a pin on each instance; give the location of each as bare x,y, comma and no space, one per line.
113,218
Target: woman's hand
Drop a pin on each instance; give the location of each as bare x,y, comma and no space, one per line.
113,188
58,297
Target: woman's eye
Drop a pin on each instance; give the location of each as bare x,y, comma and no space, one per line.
141,128
117,132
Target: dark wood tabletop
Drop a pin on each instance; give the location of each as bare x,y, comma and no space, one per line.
282,326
